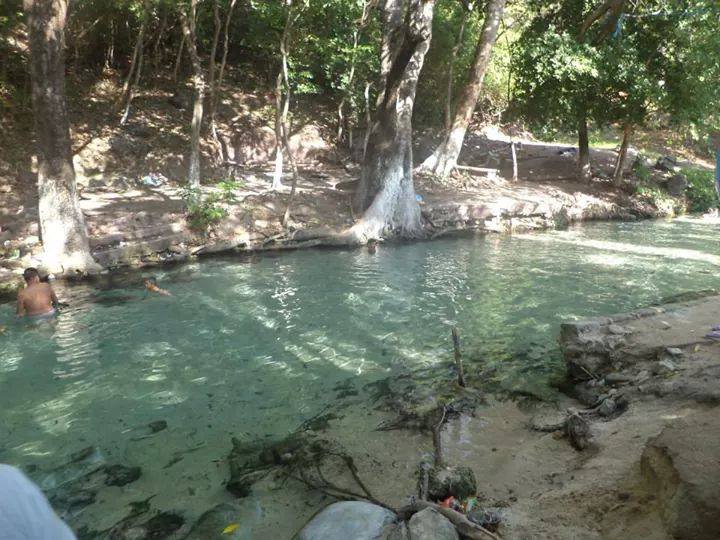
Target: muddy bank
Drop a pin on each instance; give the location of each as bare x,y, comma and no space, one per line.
647,383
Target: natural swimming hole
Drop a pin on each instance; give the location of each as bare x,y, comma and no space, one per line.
253,347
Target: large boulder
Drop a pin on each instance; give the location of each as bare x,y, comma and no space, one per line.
431,525
677,185
591,347
681,466
666,163
345,520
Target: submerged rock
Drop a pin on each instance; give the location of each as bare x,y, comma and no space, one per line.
160,526
121,475
157,425
458,482
212,523
681,467
354,520
428,524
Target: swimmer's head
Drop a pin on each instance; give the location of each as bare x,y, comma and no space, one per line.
150,282
31,275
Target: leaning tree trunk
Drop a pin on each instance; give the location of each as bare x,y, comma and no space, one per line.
622,155
178,58
127,91
62,226
610,12
583,163
451,68
386,193
347,94
443,160
188,27
282,103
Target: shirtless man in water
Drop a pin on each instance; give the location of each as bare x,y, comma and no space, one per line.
152,286
37,298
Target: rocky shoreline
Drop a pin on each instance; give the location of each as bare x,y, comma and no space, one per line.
125,239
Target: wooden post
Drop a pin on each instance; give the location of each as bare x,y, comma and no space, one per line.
458,357
514,159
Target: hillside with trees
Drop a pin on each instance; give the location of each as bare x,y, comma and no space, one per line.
376,96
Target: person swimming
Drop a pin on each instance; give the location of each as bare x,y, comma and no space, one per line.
37,299
152,286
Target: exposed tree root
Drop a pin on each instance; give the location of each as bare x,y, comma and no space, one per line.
465,527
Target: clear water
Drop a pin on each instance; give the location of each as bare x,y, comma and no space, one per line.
254,347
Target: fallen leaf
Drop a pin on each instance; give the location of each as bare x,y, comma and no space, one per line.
231,528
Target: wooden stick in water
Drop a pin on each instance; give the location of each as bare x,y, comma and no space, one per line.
458,357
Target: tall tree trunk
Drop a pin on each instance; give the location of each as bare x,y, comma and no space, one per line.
218,83
62,226
133,86
188,26
362,23
110,55
212,78
213,50
622,155
282,102
368,120
386,194
583,164
178,58
451,69
445,157
126,96
157,51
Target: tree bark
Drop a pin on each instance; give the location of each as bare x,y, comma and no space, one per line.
188,26
386,194
62,225
611,9
213,52
622,155
583,164
443,160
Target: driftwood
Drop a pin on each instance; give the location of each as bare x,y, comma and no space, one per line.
574,426
492,173
465,527
458,357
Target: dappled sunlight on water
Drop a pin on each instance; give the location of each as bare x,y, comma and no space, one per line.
258,348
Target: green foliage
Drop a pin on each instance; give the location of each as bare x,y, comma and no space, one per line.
203,213
642,171
658,58
702,194
659,198
654,194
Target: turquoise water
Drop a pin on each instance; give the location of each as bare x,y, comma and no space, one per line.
254,347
